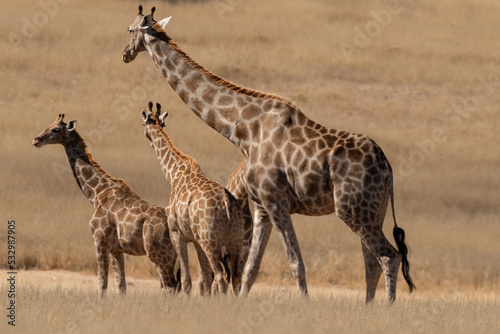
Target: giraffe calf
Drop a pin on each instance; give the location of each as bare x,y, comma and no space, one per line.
236,185
122,223
199,210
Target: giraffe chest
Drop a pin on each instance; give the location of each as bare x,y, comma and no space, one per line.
129,230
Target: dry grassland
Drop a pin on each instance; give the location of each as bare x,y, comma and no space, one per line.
62,302
425,85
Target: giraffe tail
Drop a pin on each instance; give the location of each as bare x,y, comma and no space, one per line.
225,263
178,283
399,236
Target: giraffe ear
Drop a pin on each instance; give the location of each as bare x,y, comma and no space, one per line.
162,117
71,126
163,23
143,25
145,22
144,115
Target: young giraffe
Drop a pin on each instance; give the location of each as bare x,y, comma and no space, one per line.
122,223
236,185
199,210
294,165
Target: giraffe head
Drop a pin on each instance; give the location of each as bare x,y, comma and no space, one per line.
143,26
153,119
56,133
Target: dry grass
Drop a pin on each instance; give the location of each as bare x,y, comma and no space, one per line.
59,302
399,89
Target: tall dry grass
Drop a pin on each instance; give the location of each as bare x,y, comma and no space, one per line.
48,303
400,88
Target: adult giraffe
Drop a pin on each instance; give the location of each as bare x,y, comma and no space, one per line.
294,165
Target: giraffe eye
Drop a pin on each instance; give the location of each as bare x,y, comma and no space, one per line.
56,130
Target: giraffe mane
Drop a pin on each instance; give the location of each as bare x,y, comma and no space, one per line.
96,165
181,156
214,77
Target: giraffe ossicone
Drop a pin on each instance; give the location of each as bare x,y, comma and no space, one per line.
293,164
200,211
122,222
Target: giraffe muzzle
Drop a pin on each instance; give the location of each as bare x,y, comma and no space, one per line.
36,142
128,55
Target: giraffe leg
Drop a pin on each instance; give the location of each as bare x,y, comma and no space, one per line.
102,253
162,254
388,258
219,284
261,232
166,272
118,261
373,270
237,263
205,282
180,245
213,254
281,220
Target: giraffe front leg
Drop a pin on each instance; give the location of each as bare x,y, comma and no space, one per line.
102,254
260,236
117,258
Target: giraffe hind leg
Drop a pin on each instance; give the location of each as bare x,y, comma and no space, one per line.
260,236
182,252
237,263
281,220
219,284
214,257
163,259
373,270
388,258
206,280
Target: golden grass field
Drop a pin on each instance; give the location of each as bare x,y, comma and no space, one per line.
61,302
425,85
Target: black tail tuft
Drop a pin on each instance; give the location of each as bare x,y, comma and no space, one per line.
399,236
225,263
178,284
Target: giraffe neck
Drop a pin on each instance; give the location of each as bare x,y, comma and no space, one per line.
225,107
91,178
173,162
236,184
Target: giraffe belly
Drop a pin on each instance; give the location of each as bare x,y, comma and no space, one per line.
322,204
132,248
310,193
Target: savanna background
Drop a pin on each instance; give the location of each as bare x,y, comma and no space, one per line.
420,77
